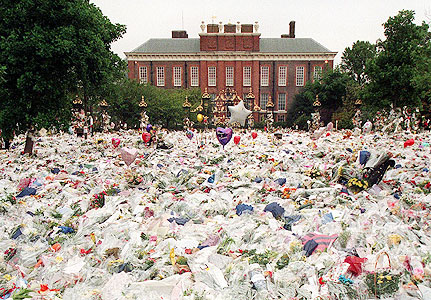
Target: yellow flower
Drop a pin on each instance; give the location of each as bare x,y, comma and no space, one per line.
381,277
7,277
379,282
388,277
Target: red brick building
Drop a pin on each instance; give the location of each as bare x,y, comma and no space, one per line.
233,56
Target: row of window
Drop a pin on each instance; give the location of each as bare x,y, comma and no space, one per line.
212,76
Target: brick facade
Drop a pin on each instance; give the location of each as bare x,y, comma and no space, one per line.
236,47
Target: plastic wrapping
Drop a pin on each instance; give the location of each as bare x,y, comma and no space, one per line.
58,238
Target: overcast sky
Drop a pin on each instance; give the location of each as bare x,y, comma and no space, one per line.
336,24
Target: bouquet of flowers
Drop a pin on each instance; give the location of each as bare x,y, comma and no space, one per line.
313,173
382,283
287,192
98,200
356,185
134,179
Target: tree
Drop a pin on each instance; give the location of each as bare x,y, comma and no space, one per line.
164,106
123,98
394,72
51,50
300,111
331,90
2,72
355,59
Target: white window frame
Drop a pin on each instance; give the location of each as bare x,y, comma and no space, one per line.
177,76
212,76
317,73
264,98
264,76
194,73
282,76
281,118
246,76
284,101
300,73
143,75
160,76
229,76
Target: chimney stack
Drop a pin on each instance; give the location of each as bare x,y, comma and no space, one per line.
212,28
246,28
292,29
179,34
229,28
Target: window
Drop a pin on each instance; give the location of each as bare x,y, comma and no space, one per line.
246,76
317,75
264,76
299,76
280,118
194,71
263,101
160,76
177,76
143,77
281,101
229,76
212,76
282,76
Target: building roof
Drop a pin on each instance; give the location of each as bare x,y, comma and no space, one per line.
288,45
169,46
267,45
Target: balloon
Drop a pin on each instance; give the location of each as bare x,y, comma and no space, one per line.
367,127
254,135
330,126
236,139
224,135
128,155
318,133
409,143
189,134
115,142
149,127
238,113
146,137
200,117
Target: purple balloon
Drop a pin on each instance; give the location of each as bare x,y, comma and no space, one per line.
224,135
149,127
189,134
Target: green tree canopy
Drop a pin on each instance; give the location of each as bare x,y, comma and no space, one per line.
51,50
395,72
164,106
355,59
331,90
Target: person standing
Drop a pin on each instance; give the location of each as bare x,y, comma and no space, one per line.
90,123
